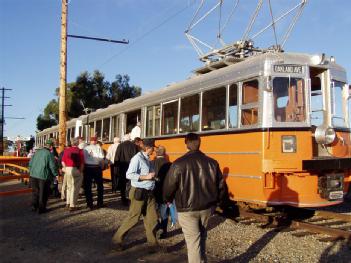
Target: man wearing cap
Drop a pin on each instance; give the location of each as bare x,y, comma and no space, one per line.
43,170
141,174
93,163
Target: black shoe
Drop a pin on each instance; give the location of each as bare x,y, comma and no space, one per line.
117,248
125,202
91,207
152,249
100,206
42,210
163,235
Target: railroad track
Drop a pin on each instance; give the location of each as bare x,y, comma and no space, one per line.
304,222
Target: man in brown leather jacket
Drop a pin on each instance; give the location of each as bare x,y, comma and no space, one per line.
196,182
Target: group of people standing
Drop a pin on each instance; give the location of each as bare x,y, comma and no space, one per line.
193,184
188,188
80,164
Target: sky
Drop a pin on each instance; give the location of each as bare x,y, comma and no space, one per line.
158,52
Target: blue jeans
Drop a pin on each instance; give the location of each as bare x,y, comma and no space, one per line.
165,211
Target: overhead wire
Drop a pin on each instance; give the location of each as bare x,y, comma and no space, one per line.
273,23
138,39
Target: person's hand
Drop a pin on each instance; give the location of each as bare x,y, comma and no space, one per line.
151,175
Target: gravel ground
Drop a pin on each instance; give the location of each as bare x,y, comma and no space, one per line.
84,236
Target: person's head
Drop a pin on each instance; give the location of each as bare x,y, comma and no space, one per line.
80,139
126,137
116,140
93,140
75,141
160,151
138,123
192,141
148,146
138,142
49,143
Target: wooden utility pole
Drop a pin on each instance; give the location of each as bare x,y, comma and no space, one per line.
63,77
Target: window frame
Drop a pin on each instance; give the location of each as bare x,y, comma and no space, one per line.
250,105
161,116
226,107
238,122
199,110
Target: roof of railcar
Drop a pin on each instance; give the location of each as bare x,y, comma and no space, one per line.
192,83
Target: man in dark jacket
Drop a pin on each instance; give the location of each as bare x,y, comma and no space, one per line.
196,183
43,170
125,151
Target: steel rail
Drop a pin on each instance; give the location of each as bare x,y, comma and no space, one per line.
281,221
334,232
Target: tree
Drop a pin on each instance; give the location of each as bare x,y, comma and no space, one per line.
30,143
94,91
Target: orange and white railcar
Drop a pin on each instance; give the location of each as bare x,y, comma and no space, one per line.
278,123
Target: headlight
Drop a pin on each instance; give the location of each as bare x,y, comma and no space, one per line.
324,135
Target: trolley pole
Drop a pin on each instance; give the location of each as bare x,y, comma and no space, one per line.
63,77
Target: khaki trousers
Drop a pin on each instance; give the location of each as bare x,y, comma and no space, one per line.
64,187
194,226
136,209
74,182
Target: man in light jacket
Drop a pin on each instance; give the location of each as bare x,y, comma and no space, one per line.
93,163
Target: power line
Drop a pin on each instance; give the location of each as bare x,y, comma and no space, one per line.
147,33
123,41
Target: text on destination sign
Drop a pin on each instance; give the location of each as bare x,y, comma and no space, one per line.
288,69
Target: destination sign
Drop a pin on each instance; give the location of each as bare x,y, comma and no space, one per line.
288,69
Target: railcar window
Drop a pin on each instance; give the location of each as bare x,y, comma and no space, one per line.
73,131
115,126
91,130
189,114
68,135
106,130
153,120
316,101
170,118
249,112
337,104
84,135
289,99
98,126
131,120
213,109
233,106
